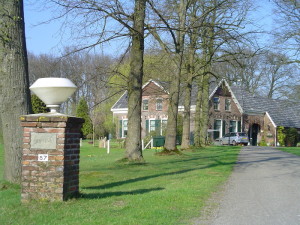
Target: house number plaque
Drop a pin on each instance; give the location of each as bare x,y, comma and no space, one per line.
43,141
43,157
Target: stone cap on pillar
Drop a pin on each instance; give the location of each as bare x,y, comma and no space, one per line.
50,117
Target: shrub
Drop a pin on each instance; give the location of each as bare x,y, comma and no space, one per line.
291,137
262,142
281,135
89,136
83,112
38,106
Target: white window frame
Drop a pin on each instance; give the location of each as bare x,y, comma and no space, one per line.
123,130
150,125
236,125
161,104
218,108
229,109
221,128
147,104
161,127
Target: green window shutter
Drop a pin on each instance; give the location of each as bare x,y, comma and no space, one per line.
239,126
120,128
147,127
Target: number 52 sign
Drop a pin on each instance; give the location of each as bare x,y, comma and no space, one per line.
43,157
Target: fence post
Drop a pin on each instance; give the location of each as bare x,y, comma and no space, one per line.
108,146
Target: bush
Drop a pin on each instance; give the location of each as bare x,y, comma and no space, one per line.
291,137
281,135
38,106
83,112
262,142
89,136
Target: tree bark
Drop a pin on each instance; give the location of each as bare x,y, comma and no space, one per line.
14,83
185,143
133,140
197,138
204,111
171,132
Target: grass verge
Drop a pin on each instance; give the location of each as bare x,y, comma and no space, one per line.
163,190
293,150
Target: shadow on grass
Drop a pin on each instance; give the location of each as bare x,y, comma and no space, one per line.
118,193
114,184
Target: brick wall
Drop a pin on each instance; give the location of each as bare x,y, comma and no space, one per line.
58,138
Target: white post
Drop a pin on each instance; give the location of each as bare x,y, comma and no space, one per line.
151,142
143,144
108,146
93,135
104,142
80,142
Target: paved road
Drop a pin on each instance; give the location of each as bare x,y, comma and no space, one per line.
264,189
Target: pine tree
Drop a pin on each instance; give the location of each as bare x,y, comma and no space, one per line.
38,106
83,112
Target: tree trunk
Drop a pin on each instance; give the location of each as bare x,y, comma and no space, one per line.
204,111
185,143
171,132
133,140
197,138
1,133
14,82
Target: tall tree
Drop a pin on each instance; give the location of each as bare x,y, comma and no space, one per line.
133,140
288,32
171,19
14,82
82,111
126,23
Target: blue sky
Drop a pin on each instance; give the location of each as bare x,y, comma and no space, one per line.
46,38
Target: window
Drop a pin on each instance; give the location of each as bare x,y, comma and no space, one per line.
156,127
124,128
227,104
163,127
217,126
159,104
145,104
233,126
152,125
216,103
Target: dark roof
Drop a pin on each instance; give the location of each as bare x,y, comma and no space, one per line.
122,103
283,112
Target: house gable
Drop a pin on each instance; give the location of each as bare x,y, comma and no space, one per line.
224,89
154,89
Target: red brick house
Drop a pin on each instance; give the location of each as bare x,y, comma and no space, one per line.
231,109
154,110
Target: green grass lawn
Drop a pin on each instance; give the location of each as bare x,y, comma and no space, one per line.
293,150
165,190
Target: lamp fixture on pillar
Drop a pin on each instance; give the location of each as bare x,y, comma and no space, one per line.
53,91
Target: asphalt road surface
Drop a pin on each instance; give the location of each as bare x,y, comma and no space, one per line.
264,189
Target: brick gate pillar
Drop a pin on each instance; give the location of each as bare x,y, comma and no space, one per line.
50,163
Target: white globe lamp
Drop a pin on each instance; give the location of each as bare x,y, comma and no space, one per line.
53,91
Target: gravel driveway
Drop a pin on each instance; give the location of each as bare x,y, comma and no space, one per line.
264,189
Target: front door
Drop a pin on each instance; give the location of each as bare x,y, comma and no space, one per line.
253,133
